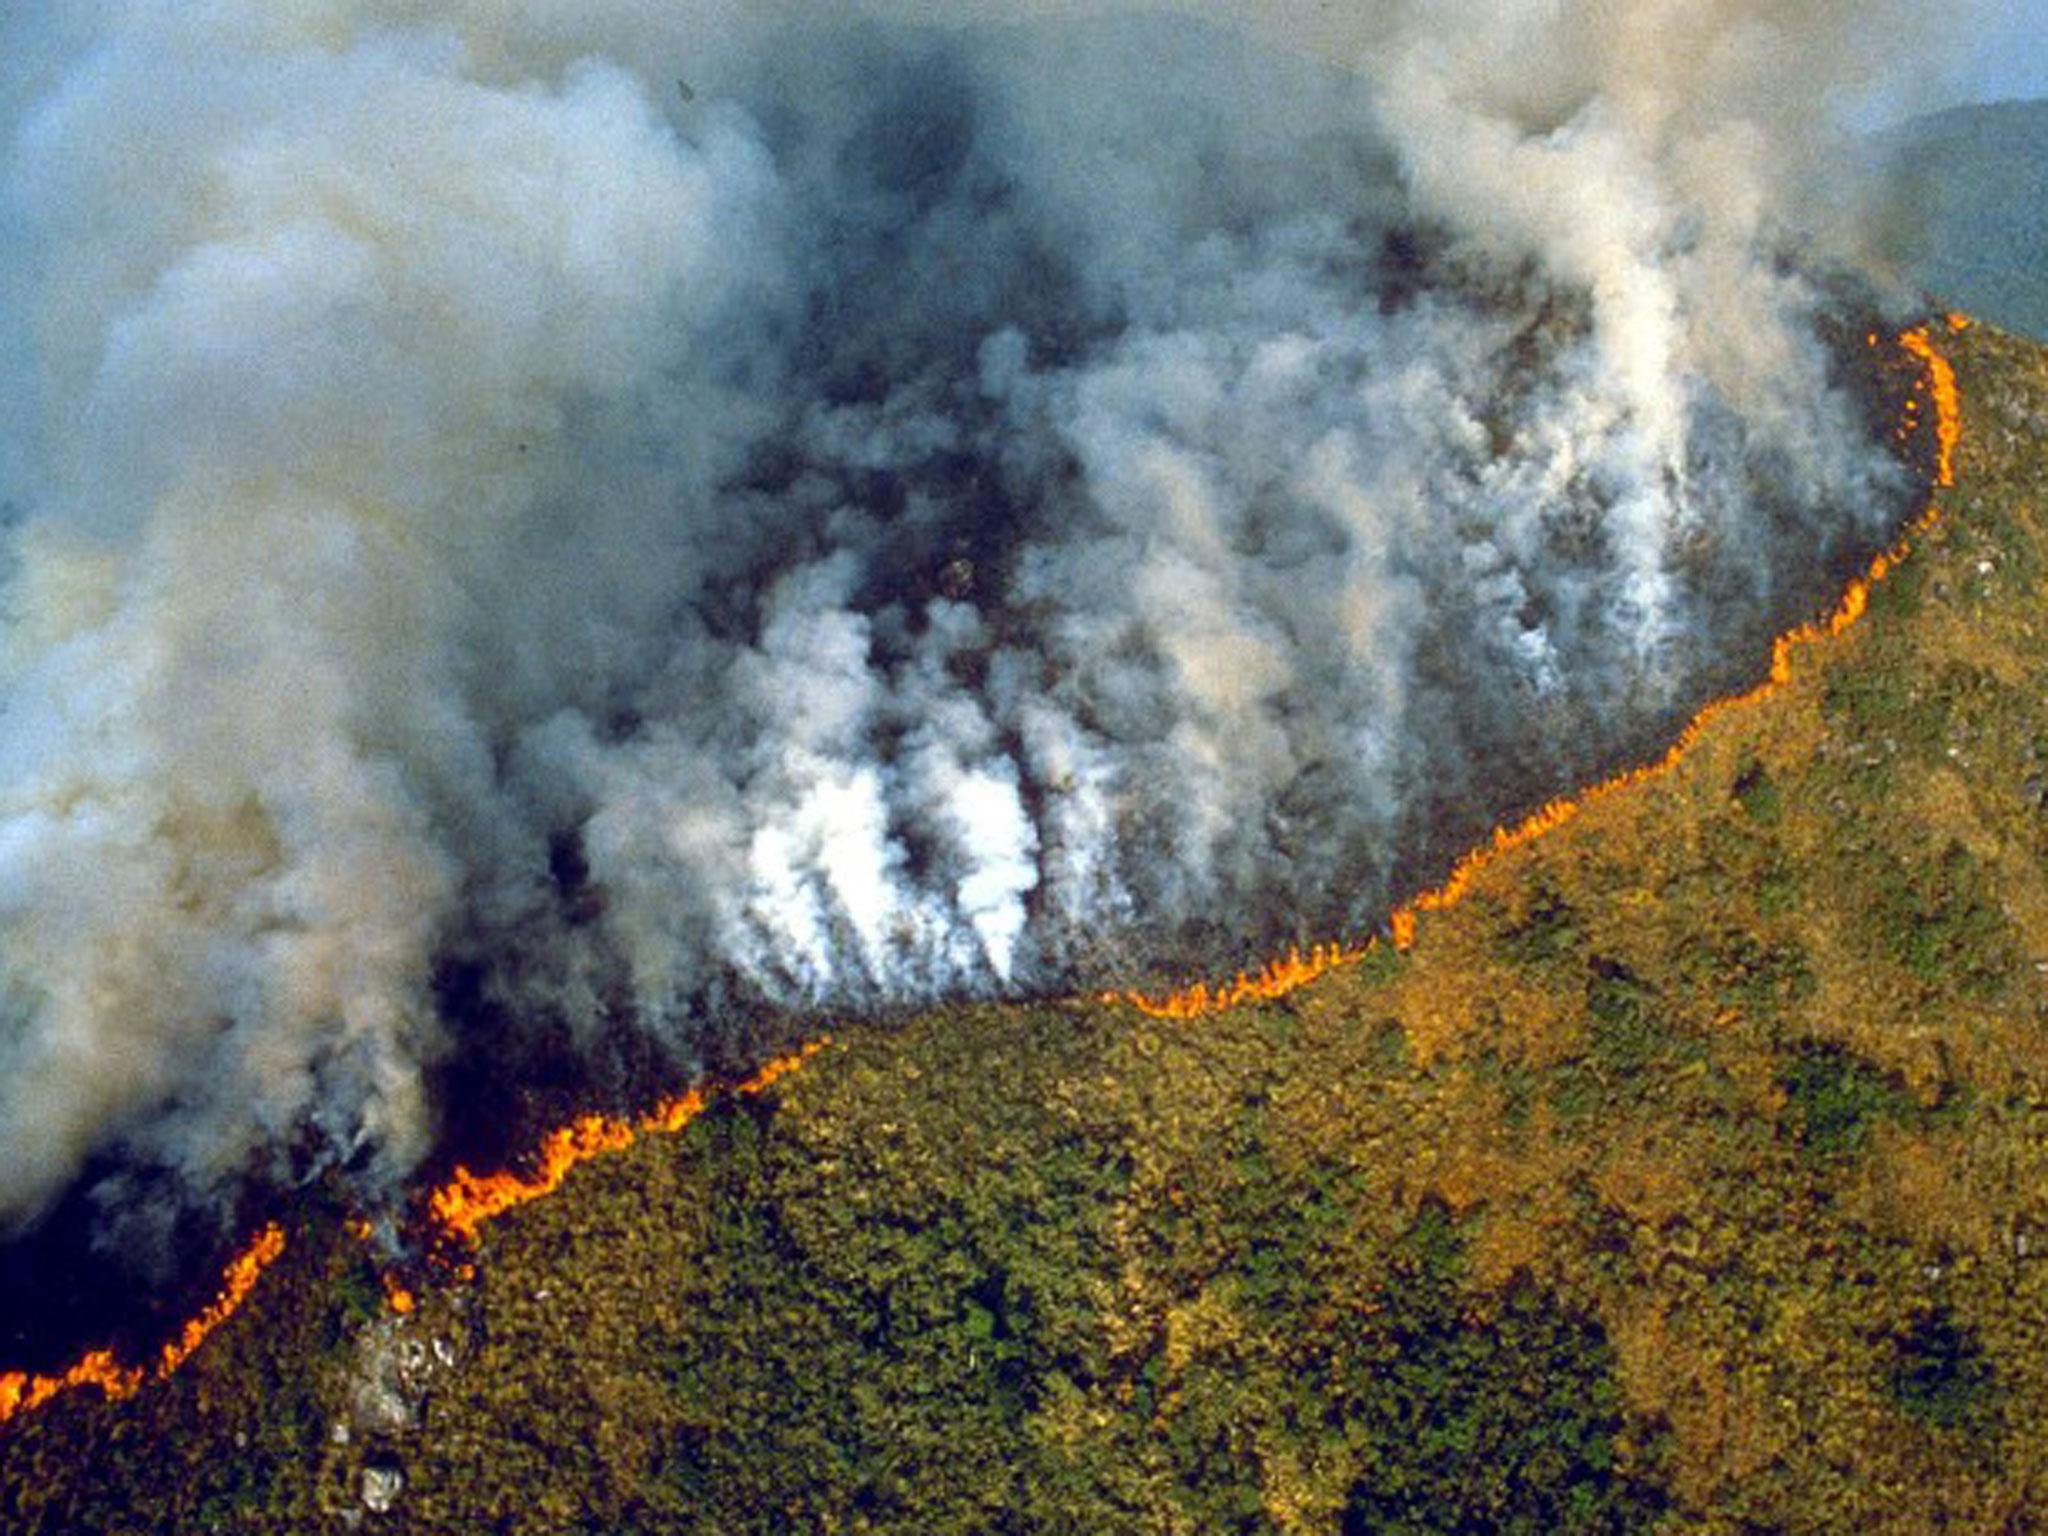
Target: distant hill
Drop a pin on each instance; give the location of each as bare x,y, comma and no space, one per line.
1970,188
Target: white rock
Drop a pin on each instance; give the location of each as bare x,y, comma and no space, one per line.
381,1487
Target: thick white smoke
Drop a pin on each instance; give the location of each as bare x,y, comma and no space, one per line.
665,509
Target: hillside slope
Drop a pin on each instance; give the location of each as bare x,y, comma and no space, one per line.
1691,1174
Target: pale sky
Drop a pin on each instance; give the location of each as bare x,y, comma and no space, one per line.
2005,59
2012,60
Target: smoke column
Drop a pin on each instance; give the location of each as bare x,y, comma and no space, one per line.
668,511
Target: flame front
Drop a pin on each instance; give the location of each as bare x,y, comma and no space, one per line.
20,1391
1948,400
1280,977
468,1200
1275,979
461,1206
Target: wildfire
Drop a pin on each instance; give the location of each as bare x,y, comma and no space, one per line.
468,1200
1280,977
20,1392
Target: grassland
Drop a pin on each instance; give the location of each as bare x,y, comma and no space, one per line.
1690,1176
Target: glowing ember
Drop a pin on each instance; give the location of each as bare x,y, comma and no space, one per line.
20,1392
1281,977
468,1200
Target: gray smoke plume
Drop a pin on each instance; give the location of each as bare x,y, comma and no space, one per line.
672,509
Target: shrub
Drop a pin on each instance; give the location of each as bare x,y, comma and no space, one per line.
1940,1376
1836,1095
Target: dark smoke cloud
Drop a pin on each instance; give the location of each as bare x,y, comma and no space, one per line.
674,509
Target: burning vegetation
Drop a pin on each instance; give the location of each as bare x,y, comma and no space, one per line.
1277,978
462,1206
22,1392
516,574
1685,1171
1942,1371
522,572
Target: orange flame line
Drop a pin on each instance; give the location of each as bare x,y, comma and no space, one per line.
21,1392
468,1200
1274,979
1294,970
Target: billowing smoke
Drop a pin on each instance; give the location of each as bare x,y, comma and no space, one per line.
661,511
